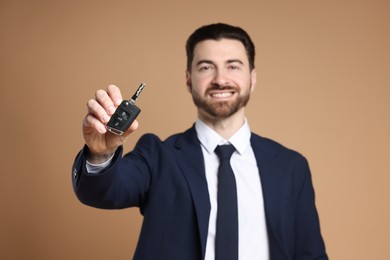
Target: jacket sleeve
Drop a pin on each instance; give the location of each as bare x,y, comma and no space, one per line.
125,183
309,244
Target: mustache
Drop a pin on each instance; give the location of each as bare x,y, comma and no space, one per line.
220,87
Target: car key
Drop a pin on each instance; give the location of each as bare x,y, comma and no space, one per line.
125,114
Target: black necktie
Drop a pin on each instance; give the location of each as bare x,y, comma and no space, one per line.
226,240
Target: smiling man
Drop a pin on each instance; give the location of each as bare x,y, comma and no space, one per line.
215,191
222,79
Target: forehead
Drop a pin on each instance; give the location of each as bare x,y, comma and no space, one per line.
224,49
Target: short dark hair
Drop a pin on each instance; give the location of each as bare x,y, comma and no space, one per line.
219,31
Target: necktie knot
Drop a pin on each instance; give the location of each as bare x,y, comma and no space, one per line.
225,151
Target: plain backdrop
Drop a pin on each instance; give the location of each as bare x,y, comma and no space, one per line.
323,89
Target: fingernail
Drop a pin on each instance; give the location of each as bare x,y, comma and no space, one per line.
111,110
118,101
102,129
106,118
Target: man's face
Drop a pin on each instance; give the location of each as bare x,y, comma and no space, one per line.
220,80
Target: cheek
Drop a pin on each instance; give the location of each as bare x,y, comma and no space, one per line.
244,81
199,78
199,83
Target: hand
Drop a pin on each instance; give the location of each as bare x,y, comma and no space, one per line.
102,143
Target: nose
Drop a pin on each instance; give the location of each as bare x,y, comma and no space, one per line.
220,78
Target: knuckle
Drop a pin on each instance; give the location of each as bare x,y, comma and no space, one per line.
100,93
112,88
91,102
87,121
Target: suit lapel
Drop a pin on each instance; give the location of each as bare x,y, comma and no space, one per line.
189,157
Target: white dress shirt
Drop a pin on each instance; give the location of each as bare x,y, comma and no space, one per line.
253,239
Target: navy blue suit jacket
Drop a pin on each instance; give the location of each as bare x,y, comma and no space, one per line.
166,180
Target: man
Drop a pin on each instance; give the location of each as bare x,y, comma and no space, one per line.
177,183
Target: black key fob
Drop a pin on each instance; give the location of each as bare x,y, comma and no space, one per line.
125,114
123,117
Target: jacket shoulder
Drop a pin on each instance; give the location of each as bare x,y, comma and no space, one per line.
273,147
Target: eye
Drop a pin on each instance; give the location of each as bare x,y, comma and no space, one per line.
205,68
234,67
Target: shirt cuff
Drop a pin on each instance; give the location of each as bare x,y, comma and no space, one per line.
97,168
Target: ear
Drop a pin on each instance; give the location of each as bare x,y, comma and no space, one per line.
188,81
253,79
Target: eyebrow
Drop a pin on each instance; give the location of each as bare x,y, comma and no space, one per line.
211,62
204,61
234,61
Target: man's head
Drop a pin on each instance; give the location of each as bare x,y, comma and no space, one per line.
220,31
220,71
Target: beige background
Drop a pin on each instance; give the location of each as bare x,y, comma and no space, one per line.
323,89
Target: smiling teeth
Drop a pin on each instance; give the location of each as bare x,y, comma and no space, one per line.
222,95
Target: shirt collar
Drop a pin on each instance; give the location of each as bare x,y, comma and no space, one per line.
211,139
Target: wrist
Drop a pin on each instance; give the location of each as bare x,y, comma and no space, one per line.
94,157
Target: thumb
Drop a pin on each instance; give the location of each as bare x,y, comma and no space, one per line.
132,128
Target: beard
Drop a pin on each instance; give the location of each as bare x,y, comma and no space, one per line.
222,109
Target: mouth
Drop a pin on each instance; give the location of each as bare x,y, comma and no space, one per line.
222,94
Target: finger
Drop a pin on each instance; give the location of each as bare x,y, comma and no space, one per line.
91,122
96,109
105,101
115,94
132,128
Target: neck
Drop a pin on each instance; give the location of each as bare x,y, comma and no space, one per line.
225,127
